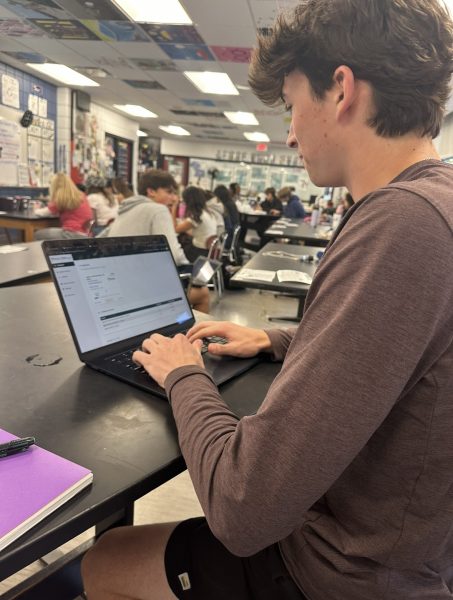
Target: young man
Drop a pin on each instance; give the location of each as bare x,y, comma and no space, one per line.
148,214
341,486
293,208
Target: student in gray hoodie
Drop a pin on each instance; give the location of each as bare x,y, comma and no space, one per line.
148,214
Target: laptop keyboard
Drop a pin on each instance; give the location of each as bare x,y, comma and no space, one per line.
125,358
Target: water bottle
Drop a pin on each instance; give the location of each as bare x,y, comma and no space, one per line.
314,216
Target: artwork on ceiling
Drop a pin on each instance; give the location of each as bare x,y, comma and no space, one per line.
107,61
198,102
187,51
32,57
93,72
197,113
151,64
12,28
97,9
146,85
173,34
35,9
116,31
65,29
232,54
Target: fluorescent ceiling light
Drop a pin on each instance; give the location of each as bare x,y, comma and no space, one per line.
63,74
241,118
169,12
136,111
256,136
174,129
212,83
141,133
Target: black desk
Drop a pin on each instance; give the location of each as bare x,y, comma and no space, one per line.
26,266
27,221
124,435
258,221
269,263
304,232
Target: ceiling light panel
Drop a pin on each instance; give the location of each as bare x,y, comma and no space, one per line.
136,111
63,74
241,118
210,82
169,12
174,129
256,136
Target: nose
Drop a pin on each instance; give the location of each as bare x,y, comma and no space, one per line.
291,140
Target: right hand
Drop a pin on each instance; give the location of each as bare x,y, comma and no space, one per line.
242,341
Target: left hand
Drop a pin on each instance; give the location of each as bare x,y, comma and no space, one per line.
161,355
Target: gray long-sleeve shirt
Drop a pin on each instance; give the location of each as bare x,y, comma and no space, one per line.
140,215
348,463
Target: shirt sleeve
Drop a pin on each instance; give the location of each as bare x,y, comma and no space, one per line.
373,311
162,223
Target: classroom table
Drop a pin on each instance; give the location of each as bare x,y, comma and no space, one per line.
263,261
298,230
23,266
258,221
126,436
27,221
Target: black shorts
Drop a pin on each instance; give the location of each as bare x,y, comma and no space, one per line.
199,567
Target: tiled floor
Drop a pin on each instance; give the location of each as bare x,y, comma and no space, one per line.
176,500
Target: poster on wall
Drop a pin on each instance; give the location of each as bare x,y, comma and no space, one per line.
9,152
33,103
42,107
10,91
34,148
47,151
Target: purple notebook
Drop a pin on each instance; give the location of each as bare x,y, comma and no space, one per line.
33,484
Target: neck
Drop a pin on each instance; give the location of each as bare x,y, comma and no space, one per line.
377,161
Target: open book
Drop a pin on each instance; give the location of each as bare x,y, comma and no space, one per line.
33,484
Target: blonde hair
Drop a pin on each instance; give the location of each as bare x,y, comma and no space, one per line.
64,193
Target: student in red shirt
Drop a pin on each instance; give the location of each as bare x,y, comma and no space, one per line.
72,207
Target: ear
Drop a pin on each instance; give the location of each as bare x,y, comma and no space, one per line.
150,192
345,90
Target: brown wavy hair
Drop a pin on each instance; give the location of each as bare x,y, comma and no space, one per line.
404,48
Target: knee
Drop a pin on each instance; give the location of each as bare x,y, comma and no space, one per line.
98,559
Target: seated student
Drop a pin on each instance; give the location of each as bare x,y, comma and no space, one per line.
200,224
235,191
216,207
230,211
72,207
148,214
104,203
121,189
272,205
293,208
345,204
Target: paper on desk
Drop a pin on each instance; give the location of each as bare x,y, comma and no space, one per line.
291,225
255,274
294,276
7,249
274,232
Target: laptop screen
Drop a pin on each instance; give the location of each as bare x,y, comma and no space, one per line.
117,288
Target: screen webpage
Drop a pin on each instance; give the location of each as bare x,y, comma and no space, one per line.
112,298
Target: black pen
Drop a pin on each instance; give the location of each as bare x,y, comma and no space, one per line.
15,446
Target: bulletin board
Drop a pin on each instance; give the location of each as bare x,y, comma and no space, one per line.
26,154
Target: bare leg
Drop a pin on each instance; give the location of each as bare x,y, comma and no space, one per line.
127,563
199,298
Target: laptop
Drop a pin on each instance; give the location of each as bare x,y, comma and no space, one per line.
117,291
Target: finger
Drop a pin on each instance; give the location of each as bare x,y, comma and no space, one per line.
198,345
221,349
199,326
208,330
140,357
